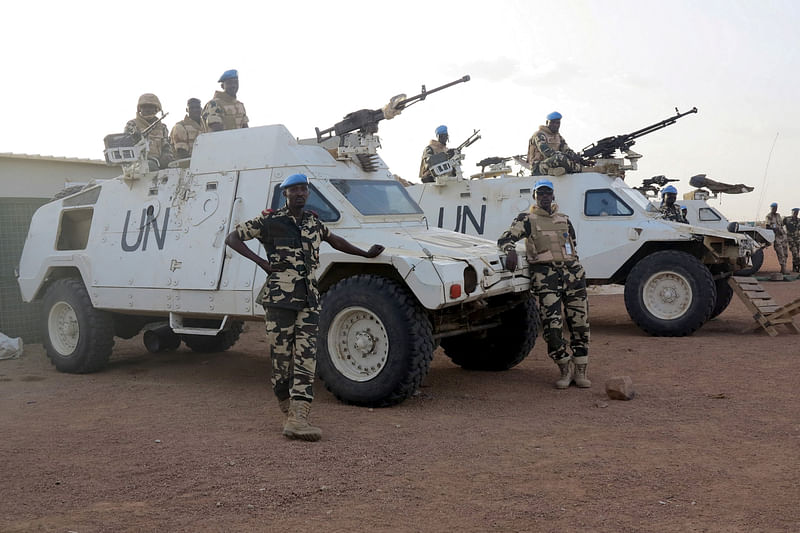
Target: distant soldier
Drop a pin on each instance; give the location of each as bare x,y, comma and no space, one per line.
684,211
775,223
792,225
160,150
436,146
186,131
291,237
557,280
669,208
548,152
224,111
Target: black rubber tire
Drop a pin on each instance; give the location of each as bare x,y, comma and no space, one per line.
757,259
701,285
127,327
724,297
95,329
409,340
498,348
218,343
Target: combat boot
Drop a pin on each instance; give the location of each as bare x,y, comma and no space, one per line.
297,426
566,368
580,376
284,406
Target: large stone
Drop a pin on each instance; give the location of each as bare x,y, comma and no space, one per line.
620,388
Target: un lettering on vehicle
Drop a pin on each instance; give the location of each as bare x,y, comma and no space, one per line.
464,215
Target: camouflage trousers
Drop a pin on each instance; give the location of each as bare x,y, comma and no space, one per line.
781,249
794,247
562,286
556,165
292,334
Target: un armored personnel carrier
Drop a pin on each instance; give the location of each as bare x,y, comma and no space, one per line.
674,274
146,250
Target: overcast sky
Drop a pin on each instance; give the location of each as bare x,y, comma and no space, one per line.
73,72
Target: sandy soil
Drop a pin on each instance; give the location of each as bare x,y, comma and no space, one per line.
190,442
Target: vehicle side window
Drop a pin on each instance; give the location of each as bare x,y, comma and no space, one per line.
316,202
604,202
708,215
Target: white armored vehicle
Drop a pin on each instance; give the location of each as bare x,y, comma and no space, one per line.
146,250
674,274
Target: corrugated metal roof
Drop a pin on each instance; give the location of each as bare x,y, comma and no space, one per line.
11,155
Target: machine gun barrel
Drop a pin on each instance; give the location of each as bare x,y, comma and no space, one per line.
606,147
149,128
366,120
474,137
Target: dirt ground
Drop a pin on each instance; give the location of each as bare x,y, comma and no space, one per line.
190,442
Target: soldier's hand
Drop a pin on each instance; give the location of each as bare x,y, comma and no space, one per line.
511,260
374,251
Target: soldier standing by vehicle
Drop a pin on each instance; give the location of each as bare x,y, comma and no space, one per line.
669,208
792,225
224,111
186,131
775,223
436,146
548,153
291,237
557,279
159,149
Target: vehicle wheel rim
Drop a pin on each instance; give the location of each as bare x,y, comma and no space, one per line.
667,295
63,328
358,344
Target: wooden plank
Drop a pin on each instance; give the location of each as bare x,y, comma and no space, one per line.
743,279
769,310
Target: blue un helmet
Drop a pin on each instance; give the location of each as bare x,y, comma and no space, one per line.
555,115
543,183
294,179
228,74
441,130
668,189
774,204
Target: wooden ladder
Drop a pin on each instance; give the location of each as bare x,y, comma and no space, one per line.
766,311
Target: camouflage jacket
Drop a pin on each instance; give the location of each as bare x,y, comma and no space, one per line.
544,143
293,253
673,213
158,138
792,226
775,223
548,237
434,147
226,110
184,133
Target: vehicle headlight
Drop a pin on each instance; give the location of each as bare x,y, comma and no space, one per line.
470,279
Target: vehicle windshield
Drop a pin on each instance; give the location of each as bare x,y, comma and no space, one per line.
377,197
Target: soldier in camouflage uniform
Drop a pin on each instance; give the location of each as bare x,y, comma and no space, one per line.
159,153
548,153
792,225
557,280
291,237
186,131
775,223
669,208
436,146
224,111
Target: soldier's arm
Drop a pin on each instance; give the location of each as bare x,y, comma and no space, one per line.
541,144
167,155
572,233
245,120
245,231
180,140
133,131
212,116
343,245
519,229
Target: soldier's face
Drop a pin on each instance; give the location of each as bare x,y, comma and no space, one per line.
296,195
148,110
231,86
670,197
554,125
443,138
794,214
195,111
544,198
773,209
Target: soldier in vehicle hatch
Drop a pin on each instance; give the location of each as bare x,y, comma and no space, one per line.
224,111
548,153
291,237
557,280
160,151
669,208
186,131
436,146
